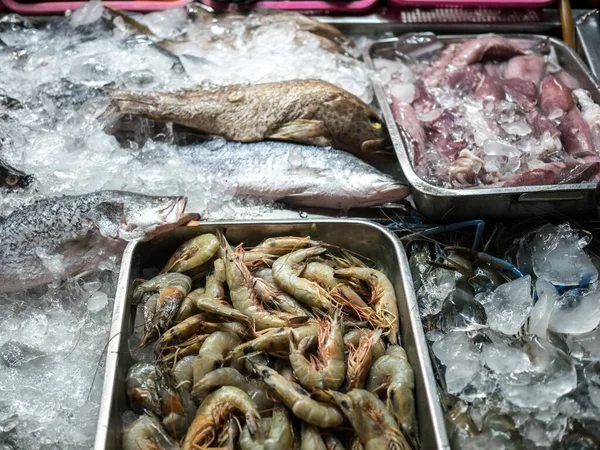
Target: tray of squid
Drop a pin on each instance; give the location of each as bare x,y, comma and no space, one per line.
490,126
279,335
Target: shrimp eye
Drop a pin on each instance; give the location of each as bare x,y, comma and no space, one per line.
375,122
12,180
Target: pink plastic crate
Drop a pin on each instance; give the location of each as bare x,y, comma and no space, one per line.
44,8
332,7
472,3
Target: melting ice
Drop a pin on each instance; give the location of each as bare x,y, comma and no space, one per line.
525,362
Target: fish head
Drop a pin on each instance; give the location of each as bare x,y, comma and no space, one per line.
11,178
130,216
357,128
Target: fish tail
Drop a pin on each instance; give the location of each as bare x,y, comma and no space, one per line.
128,102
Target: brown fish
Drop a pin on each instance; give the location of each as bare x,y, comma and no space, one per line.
306,111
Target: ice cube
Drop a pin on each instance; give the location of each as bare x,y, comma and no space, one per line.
541,311
86,14
403,92
508,307
461,358
585,346
502,358
437,284
558,256
551,375
97,301
461,312
92,286
576,312
518,128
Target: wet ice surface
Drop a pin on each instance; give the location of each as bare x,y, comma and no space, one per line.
52,339
51,368
528,373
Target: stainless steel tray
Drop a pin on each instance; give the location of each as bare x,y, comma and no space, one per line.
364,237
450,204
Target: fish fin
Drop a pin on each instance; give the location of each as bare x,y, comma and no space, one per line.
303,130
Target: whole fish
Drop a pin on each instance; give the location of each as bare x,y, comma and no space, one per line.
59,237
307,111
295,174
11,178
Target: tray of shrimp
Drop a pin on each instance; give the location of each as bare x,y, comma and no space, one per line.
280,334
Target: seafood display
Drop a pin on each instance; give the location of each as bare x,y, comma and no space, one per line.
55,121
61,237
512,333
491,112
292,343
308,111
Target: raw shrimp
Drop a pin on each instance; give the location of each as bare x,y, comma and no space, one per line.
353,338
265,273
187,308
324,274
359,360
311,438
275,342
226,376
257,441
373,423
281,432
393,373
200,324
211,300
173,288
213,414
193,253
189,347
286,271
183,373
328,373
298,400
219,270
213,353
147,433
243,297
177,408
276,299
189,327
383,296
141,386
279,246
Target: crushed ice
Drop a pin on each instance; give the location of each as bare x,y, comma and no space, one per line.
521,358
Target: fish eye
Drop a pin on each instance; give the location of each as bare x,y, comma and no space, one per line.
375,122
12,180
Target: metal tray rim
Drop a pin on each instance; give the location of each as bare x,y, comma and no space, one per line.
401,148
430,387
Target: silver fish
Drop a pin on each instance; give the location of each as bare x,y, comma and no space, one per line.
295,174
59,237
